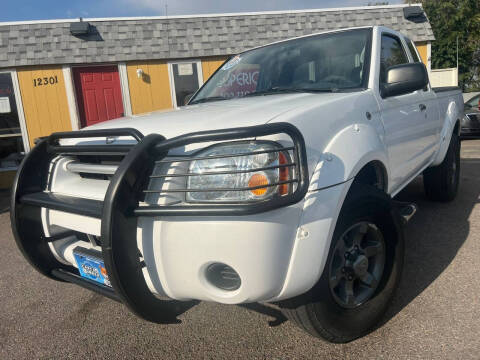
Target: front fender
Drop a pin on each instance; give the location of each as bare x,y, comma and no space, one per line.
346,154
451,118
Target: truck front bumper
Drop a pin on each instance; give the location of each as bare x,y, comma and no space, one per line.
276,248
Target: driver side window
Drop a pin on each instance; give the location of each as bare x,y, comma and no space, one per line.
392,53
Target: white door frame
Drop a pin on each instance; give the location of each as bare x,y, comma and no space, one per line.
127,104
172,82
18,101
71,97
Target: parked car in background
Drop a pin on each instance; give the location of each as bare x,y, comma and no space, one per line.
471,120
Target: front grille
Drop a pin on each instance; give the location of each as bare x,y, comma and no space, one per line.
85,170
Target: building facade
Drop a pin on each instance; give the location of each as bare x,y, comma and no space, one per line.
62,75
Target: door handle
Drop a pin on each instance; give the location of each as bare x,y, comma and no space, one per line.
422,107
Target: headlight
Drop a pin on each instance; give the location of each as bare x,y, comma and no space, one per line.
242,171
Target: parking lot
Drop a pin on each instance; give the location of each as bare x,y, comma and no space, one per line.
434,314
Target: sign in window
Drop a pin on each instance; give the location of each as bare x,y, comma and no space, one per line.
11,144
185,81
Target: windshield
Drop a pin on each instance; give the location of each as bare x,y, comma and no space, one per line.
326,62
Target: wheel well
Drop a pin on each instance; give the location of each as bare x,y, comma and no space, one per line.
456,129
374,174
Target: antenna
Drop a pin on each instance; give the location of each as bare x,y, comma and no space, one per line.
166,10
457,52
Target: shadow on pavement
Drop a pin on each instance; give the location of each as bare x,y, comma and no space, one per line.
4,201
433,238
269,310
435,234
171,309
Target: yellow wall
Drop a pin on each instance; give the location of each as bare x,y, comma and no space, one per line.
210,65
152,90
422,50
45,106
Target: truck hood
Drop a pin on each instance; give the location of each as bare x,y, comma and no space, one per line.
217,115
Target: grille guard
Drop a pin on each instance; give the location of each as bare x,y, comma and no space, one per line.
120,208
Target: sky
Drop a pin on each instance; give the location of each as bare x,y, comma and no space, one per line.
16,10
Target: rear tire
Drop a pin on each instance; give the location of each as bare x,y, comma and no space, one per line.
327,310
441,182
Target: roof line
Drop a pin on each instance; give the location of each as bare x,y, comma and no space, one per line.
277,12
311,35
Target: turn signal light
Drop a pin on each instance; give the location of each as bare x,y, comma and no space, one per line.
258,180
283,175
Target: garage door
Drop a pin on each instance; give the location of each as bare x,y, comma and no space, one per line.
99,95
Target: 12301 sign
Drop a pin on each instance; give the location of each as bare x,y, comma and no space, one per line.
42,81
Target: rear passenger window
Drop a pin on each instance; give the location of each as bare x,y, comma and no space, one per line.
392,53
411,47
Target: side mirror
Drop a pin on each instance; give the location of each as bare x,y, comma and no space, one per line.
404,79
187,98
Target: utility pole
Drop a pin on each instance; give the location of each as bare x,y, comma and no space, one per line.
458,71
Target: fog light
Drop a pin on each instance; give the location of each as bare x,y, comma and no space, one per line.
223,277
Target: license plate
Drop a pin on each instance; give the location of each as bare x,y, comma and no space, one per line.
92,268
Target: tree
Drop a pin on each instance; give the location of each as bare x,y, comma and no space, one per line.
452,19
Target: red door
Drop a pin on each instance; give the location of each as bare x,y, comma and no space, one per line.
99,94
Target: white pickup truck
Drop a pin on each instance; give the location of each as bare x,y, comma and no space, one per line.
274,184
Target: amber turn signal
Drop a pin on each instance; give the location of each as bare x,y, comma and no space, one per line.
284,174
258,180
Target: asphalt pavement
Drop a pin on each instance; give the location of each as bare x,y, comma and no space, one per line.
435,313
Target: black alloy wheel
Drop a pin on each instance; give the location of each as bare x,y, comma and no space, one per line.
357,265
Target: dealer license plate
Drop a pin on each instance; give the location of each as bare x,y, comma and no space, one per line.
92,268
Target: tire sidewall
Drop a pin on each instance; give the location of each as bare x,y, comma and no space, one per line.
454,155
437,179
353,323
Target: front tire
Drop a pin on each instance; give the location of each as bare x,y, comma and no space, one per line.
362,271
441,182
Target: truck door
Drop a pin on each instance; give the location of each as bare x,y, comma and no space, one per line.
431,122
403,118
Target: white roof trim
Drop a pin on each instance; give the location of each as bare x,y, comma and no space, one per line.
278,12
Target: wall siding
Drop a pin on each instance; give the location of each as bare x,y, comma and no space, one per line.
151,91
45,106
210,65
422,50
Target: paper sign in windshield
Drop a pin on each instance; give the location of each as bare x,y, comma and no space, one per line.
239,82
233,61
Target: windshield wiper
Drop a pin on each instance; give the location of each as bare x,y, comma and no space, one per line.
271,91
207,99
279,90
